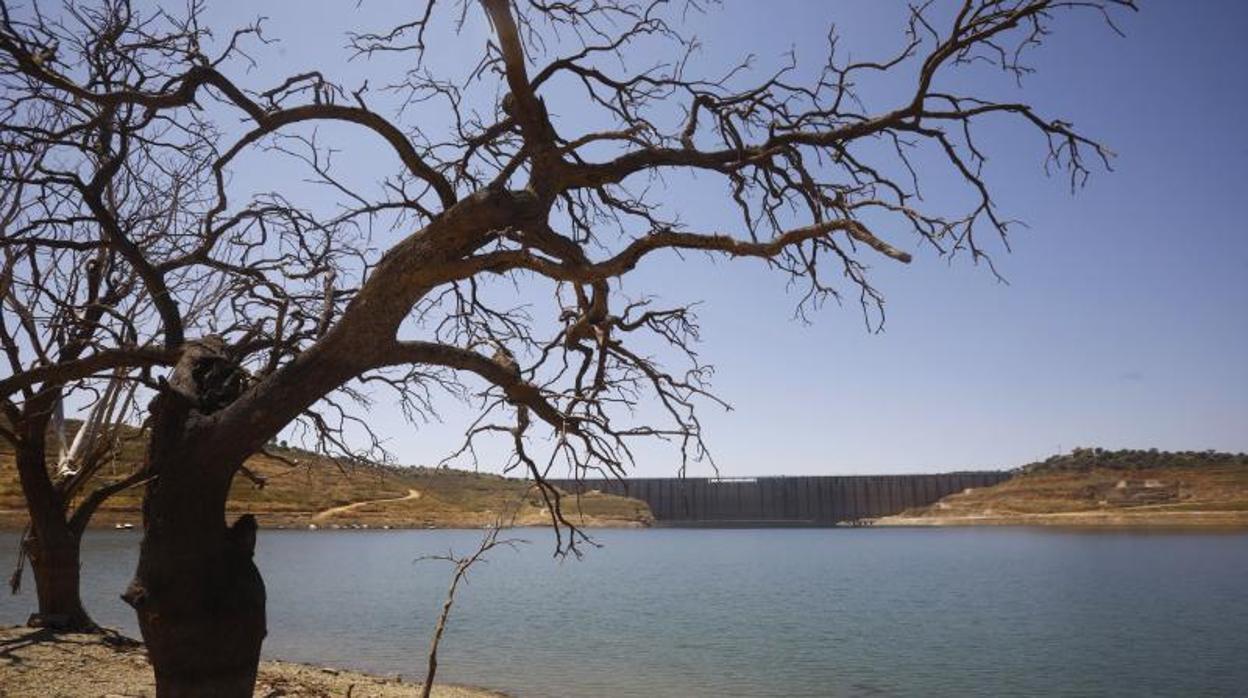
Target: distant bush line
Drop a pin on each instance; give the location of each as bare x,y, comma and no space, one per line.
1085,459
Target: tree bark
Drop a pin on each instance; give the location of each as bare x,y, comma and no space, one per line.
54,560
53,545
198,595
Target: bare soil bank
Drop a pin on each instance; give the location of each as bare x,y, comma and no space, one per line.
301,489
1212,496
37,664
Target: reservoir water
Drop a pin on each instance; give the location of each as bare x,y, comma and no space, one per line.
779,612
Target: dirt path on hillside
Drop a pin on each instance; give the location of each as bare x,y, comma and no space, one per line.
332,511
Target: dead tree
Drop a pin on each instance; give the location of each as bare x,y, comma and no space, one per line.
462,565
67,302
61,506
60,304
513,191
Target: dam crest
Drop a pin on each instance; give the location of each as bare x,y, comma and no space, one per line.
816,500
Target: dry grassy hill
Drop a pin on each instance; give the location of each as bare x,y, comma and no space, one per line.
1099,487
322,493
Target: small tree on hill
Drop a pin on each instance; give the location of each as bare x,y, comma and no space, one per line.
510,188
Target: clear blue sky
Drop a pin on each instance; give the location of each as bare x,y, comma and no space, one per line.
1125,321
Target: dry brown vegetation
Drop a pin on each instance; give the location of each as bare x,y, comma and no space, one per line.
294,495
1095,487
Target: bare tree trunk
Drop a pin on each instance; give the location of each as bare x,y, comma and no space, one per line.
54,560
198,595
52,546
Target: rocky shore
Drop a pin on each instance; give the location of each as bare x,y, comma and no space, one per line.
35,663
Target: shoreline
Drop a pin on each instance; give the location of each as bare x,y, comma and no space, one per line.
1074,520
109,519
36,662
1187,520
11,522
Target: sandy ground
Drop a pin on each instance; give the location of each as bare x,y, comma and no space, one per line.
38,664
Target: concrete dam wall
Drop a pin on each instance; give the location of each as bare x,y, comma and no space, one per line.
821,500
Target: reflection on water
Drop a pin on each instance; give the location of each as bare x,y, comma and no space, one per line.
667,612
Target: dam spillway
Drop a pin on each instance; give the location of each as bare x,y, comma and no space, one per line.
819,500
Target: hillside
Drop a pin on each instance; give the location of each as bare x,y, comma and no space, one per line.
1100,487
318,492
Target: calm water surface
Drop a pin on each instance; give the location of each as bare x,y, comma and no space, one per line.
669,612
